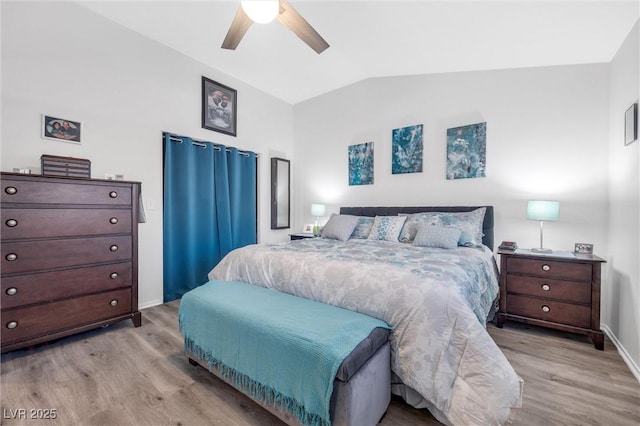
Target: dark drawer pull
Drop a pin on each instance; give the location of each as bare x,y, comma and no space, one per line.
546,267
11,291
12,324
11,223
113,220
114,275
11,190
113,248
113,194
11,257
545,308
114,302
545,287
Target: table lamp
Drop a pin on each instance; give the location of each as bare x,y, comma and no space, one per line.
317,210
543,211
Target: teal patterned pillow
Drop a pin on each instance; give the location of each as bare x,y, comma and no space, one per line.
437,236
363,229
387,228
414,222
470,223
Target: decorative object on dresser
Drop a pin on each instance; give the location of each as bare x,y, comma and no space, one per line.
69,256
555,291
53,165
543,211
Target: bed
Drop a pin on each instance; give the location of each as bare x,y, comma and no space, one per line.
436,300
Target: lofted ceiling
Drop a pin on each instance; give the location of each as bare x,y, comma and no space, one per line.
382,38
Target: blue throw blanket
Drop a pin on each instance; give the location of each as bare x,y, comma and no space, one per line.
276,347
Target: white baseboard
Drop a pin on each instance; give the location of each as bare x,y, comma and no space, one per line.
635,370
150,304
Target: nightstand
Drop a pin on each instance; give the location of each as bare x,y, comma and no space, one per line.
555,291
301,236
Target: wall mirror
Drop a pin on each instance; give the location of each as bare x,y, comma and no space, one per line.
280,196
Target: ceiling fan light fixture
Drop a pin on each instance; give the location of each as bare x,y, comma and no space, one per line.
261,11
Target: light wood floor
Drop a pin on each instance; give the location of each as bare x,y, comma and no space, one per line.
123,375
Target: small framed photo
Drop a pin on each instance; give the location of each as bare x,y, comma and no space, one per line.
219,107
631,124
61,129
308,229
584,248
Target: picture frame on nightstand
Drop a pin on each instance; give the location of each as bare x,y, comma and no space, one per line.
583,248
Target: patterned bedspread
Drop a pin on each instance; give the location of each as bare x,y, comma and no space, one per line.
435,300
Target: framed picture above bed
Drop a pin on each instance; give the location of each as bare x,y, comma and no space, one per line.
406,150
361,164
219,107
467,151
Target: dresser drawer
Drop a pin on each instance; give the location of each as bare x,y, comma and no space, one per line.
19,290
49,254
36,320
38,223
550,268
559,312
61,192
568,291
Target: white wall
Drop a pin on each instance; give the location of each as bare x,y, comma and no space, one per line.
63,60
621,297
546,139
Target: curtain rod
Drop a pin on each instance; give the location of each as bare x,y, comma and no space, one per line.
175,138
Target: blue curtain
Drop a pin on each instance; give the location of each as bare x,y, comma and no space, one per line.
209,209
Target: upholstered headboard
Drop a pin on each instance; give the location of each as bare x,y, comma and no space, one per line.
487,225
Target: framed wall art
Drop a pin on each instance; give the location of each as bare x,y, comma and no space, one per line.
219,107
631,124
467,151
406,152
361,164
61,129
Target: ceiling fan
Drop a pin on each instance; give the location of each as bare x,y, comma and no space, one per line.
252,11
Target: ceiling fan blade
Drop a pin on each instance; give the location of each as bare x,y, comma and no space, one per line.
291,19
238,28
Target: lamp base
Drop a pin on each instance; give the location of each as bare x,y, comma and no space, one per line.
541,250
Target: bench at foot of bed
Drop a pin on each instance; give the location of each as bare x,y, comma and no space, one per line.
266,326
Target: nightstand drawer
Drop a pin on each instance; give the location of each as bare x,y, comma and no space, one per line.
567,291
557,270
548,310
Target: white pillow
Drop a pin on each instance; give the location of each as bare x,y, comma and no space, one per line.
387,228
340,226
437,236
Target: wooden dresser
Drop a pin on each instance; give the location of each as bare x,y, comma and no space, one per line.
69,256
552,291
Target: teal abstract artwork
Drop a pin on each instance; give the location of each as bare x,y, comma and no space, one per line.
467,151
407,150
361,164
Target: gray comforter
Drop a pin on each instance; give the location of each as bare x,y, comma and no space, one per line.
435,300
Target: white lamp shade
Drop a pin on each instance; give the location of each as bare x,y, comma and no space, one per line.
543,210
261,11
318,210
